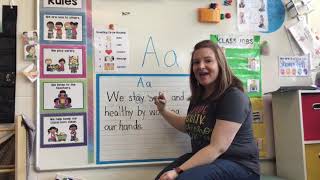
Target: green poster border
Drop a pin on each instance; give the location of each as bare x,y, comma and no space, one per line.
57,111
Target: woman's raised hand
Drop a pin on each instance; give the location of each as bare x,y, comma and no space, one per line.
160,102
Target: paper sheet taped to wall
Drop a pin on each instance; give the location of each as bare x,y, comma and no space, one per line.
129,126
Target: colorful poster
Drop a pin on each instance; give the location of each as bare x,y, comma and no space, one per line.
111,50
294,66
63,96
243,56
63,27
62,130
252,15
62,61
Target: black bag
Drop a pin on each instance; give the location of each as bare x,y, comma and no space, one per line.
8,64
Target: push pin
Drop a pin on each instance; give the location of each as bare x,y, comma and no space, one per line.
227,2
111,26
213,5
228,15
221,16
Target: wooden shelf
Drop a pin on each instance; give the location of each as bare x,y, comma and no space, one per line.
19,168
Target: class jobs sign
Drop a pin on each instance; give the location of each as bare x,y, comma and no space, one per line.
62,3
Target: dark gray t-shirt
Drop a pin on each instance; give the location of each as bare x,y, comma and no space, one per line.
233,106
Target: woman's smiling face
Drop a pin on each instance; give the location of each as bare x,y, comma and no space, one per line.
205,67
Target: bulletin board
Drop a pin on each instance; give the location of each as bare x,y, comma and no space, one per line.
127,52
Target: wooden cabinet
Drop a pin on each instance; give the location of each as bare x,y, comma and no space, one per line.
296,120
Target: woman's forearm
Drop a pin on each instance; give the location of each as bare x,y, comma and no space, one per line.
174,120
205,156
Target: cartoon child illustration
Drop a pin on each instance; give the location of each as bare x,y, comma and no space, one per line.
61,64
63,101
288,71
294,71
242,5
59,26
299,71
68,103
73,132
48,62
62,97
25,39
242,19
56,103
263,6
67,27
252,64
261,22
50,26
253,87
31,50
74,26
73,64
34,37
52,131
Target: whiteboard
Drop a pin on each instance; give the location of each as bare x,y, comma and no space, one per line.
173,25
161,36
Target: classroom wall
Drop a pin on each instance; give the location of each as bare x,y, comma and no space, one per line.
26,104
313,17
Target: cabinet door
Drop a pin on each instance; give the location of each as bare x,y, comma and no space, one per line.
313,161
311,116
